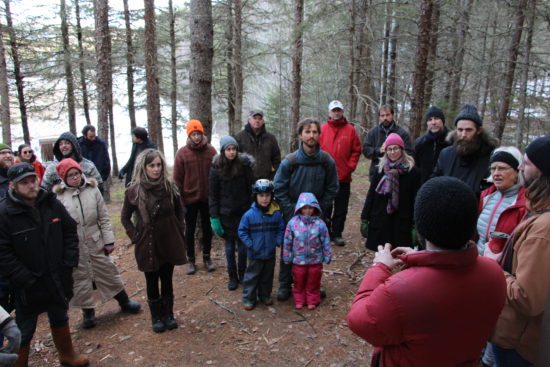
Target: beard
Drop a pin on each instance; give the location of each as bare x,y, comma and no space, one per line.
467,147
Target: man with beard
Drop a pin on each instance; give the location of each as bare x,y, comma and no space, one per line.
526,264
468,157
6,161
95,149
66,146
261,144
308,169
372,148
428,147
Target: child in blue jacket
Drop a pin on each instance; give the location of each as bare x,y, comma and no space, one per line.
261,230
307,246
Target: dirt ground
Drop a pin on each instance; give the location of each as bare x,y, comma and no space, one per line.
214,329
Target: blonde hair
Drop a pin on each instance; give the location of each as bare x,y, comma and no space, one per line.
140,171
409,160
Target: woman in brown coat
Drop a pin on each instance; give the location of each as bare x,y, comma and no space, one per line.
158,232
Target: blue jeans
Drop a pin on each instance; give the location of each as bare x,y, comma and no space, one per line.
258,280
230,256
57,316
509,358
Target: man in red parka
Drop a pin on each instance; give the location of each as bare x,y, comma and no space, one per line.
441,308
340,140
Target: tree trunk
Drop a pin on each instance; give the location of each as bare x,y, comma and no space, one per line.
490,66
385,55
68,67
238,65
296,70
432,53
4,94
129,66
200,73
17,73
229,67
461,34
82,69
392,53
104,79
151,75
422,51
353,54
173,75
510,69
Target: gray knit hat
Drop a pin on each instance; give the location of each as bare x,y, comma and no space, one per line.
228,140
469,112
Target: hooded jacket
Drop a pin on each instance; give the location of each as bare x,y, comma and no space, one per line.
426,152
88,167
96,151
137,148
262,231
263,147
307,241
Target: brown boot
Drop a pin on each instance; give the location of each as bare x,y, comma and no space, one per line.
67,356
23,359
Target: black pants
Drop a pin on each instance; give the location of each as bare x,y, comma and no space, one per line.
164,274
339,211
285,275
191,223
258,280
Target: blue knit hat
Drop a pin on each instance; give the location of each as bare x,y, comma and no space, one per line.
228,140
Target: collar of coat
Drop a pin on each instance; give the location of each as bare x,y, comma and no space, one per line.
251,131
337,123
442,258
488,141
16,205
62,186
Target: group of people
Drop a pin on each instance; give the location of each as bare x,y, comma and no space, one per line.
431,195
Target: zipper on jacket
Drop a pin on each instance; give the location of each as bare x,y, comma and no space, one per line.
81,210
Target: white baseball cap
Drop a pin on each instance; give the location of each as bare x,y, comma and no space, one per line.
335,104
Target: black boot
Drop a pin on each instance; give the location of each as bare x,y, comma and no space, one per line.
126,304
191,268
168,313
88,318
233,280
155,306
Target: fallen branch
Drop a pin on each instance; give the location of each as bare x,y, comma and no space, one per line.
334,272
306,320
311,360
210,290
223,307
138,289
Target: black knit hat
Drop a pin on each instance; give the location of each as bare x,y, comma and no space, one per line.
445,212
469,112
434,112
538,152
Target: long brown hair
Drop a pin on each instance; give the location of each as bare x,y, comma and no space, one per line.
140,173
538,194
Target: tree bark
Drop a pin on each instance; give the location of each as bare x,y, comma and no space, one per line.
510,69
104,79
459,52
297,53
392,53
4,94
17,73
353,55
173,78
82,68
238,66
489,70
432,53
129,66
151,75
68,68
385,55
422,51
200,74
229,67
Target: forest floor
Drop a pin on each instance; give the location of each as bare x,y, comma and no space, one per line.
214,329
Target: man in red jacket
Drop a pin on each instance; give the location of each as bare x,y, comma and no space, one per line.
439,310
340,140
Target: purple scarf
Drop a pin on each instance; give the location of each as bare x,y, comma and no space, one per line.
389,184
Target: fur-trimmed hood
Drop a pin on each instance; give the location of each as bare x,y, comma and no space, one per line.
488,140
62,186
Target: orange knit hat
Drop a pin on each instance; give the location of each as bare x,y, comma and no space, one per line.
194,125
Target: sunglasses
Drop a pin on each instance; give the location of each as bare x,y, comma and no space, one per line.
27,152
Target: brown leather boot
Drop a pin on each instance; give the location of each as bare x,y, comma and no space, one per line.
67,356
23,359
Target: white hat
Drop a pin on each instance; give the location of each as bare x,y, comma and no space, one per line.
335,104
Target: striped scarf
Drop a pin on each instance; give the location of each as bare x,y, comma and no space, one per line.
389,184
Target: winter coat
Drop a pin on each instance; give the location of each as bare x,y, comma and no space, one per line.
426,152
229,197
311,173
340,140
307,241
163,239
439,311
263,147
392,228
519,324
86,206
510,216
191,169
128,168
38,251
4,182
376,137
88,167
261,232
472,169
96,151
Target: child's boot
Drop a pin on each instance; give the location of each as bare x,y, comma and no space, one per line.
155,306
168,312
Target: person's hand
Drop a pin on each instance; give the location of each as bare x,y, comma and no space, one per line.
12,333
402,251
384,256
217,226
108,248
364,227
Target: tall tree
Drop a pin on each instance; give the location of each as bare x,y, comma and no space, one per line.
385,53
200,73
68,67
392,62
5,117
129,66
173,77
297,52
81,64
489,72
17,73
510,69
229,36
422,51
238,65
432,55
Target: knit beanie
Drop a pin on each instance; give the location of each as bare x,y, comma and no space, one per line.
64,166
394,139
194,125
228,140
434,112
469,112
445,212
538,152
4,146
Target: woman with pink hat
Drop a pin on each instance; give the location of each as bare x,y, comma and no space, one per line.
387,215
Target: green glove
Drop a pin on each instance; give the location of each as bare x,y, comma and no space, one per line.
364,227
216,226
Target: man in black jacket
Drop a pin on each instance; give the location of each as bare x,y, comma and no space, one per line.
94,148
141,140
38,251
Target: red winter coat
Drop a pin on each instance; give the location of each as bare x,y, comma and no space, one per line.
509,218
439,311
340,140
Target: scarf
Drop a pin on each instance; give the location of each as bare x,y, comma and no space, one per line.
389,184
149,194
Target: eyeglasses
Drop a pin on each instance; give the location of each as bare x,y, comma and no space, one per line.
27,152
391,150
500,169
73,175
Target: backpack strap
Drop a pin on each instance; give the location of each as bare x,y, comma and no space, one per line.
291,157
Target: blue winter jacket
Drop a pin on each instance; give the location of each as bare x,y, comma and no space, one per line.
262,231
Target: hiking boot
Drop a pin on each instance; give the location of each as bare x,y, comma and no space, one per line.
155,307
126,304
67,356
339,241
233,280
88,318
247,305
267,301
191,268
209,265
283,294
168,313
